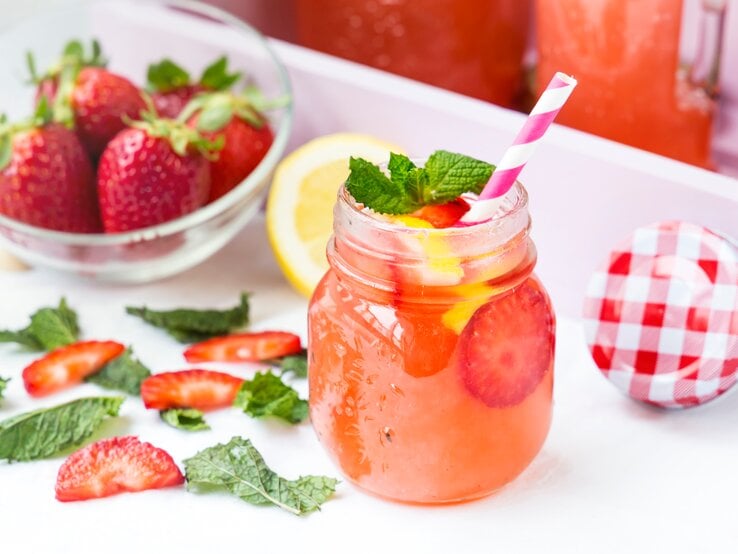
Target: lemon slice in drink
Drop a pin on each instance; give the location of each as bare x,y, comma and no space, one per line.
300,206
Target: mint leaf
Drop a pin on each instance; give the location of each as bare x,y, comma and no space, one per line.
445,177
369,186
124,373
216,76
296,364
166,76
190,325
43,433
416,184
3,384
239,468
22,337
267,395
55,327
187,419
450,175
50,328
399,166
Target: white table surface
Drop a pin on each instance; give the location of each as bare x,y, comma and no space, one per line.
612,477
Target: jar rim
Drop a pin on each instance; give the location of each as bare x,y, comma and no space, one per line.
516,202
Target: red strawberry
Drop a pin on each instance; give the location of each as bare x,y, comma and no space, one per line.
443,215
46,178
245,347
93,99
171,103
68,366
245,133
115,465
508,346
192,388
101,100
153,172
172,88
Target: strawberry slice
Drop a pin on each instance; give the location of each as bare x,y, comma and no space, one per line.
192,388
508,346
245,347
68,366
443,215
116,465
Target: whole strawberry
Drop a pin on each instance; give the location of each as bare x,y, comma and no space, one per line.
155,171
245,133
46,178
171,86
88,96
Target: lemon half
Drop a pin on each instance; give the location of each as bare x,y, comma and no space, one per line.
299,213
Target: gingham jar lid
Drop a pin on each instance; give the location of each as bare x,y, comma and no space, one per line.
661,316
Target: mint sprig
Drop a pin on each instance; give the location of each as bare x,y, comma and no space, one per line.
46,432
239,468
445,177
186,419
192,325
50,328
267,395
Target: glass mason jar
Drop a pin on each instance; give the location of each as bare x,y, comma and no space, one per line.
431,354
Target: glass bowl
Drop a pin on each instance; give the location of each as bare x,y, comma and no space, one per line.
134,34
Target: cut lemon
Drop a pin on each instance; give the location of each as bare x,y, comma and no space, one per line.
299,213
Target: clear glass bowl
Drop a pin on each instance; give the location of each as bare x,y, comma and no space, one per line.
134,34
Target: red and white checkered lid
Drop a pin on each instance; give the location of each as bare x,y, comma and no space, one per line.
661,317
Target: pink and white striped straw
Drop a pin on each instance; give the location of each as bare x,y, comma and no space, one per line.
515,158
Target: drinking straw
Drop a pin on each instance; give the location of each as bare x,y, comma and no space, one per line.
521,150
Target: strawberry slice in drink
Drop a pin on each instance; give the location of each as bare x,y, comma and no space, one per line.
192,388
507,347
442,216
245,347
115,465
68,366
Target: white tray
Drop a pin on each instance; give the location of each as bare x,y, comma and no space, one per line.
613,476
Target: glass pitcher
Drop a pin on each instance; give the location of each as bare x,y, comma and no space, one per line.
633,86
474,47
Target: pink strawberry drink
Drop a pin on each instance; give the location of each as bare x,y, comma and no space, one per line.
431,352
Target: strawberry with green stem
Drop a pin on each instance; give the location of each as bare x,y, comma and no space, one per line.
171,86
152,172
46,178
238,120
88,97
